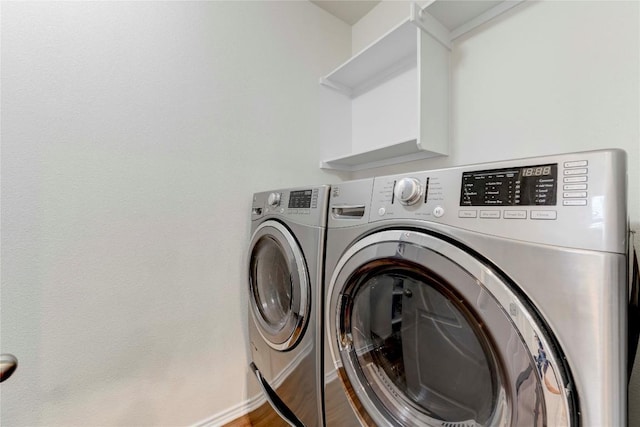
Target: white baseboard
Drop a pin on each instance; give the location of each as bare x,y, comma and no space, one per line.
243,408
235,412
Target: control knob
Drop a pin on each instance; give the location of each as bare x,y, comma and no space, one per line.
273,200
408,191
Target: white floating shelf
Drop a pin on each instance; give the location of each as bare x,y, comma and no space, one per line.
390,102
394,51
456,18
383,156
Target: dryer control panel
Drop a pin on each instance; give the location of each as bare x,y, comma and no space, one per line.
521,186
573,200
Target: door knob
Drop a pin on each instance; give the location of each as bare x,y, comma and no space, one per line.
8,365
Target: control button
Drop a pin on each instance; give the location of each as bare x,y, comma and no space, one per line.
575,202
281,210
515,215
544,215
575,171
304,211
467,214
575,195
292,211
489,214
273,200
438,211
408,191
576,164
575,179
575,186
382,211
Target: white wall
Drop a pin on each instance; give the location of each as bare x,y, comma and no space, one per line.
547,77
133,135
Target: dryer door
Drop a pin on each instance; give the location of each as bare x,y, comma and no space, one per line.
425,333
278,285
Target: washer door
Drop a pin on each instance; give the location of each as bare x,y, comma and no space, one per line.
278,285
424,333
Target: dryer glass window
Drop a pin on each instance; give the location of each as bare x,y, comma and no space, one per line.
421,351
273,282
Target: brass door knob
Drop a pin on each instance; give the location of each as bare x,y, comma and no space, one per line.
8,365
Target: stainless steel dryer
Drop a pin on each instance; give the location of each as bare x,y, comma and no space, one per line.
285,278
486,295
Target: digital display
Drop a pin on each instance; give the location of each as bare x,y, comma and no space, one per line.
536,171
525,186
300,199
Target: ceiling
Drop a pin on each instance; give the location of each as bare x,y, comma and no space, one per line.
350,11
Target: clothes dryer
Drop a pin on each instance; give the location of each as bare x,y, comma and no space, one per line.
285,276
484,295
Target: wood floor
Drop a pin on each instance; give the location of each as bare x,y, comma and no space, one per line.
341,414
297,391
264,416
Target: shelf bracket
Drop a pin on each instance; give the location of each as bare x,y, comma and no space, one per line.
430,25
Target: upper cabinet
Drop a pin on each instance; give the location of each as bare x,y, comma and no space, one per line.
390,102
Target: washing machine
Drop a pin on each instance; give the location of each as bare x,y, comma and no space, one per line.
486,295
285,275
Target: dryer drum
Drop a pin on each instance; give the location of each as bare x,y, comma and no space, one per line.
428,335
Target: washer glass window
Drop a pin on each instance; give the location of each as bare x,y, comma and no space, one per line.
274,288
279,285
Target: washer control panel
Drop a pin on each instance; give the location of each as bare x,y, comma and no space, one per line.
580,198
302,205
